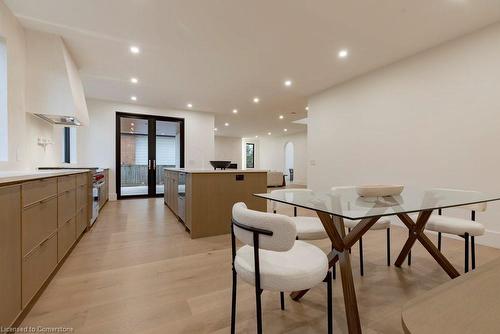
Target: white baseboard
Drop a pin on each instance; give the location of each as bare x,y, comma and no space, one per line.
490,238
112,197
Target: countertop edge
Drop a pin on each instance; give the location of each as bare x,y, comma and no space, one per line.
29,176
208,171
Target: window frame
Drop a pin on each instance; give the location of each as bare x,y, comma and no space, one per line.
246,155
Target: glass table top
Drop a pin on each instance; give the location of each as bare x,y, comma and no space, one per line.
346,203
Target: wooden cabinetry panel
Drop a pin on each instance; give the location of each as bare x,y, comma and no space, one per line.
81,221
81,179
10,254
38,190
65,183
38,221
81,196
66,236
37,267
66,206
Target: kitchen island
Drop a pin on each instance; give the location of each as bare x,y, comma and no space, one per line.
203,199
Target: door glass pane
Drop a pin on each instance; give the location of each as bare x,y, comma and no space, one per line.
167,150
134,156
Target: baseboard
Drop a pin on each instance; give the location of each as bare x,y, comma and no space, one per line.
113,197
490,238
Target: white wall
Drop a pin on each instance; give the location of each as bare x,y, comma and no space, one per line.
432,120
272,154
228,148
96,143
23,129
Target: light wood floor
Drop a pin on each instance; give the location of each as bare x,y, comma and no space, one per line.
137,271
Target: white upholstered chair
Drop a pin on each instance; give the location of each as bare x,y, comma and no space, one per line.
308,228
465,228
381,224
272,259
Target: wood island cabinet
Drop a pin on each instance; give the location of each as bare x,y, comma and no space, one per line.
40,222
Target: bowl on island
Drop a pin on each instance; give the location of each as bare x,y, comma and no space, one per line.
220,164
379,190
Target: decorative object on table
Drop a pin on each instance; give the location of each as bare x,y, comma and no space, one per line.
220,164
271,259
379,190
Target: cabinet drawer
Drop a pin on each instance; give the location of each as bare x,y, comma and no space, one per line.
81,221
66,236
37,267
39,221
38,190
82,179
66,206
81,196
65,183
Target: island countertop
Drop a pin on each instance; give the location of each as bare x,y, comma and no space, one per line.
212,171
11,177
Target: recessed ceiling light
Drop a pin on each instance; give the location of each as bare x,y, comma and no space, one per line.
226,124
134,80
256,100
343,53
307,108
288,83
215,129
133,98
269,133
256,136
132,129
285,130
189,105
235,111
135,49
132,124
281,116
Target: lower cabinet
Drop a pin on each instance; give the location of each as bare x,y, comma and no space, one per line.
37,267
66,237
81,221
10,254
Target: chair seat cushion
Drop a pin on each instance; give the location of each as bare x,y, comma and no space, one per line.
300,268
381,224
309,228
452,225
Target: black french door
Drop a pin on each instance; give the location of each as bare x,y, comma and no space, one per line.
145,145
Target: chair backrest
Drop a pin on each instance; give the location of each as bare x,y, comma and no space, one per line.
282,227
479,207
288,190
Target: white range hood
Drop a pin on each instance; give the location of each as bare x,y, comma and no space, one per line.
54,88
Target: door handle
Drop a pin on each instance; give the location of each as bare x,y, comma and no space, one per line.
149,164
154,164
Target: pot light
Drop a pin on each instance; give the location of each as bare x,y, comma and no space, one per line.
132,124
215,129
256,100
343,53
285,130
307,108
288,83
134,80
133,98
269,133
189,105
235,111
281,116
226,124
135,49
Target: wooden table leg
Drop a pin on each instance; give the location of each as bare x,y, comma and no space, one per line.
350,302
417,233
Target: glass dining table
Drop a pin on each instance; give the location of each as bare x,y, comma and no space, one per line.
337,205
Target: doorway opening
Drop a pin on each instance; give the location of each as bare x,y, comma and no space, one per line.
289,161
145,145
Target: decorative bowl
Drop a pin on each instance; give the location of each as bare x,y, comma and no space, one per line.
379,190
220,164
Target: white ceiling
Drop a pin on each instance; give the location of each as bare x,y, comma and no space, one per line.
219,54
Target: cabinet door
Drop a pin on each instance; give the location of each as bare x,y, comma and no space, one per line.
10,254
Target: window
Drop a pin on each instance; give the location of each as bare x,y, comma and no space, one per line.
4,153
250,155
69,145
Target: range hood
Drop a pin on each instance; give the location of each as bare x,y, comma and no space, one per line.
54,88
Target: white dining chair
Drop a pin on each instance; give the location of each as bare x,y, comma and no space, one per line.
272,259
381,224
465,228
